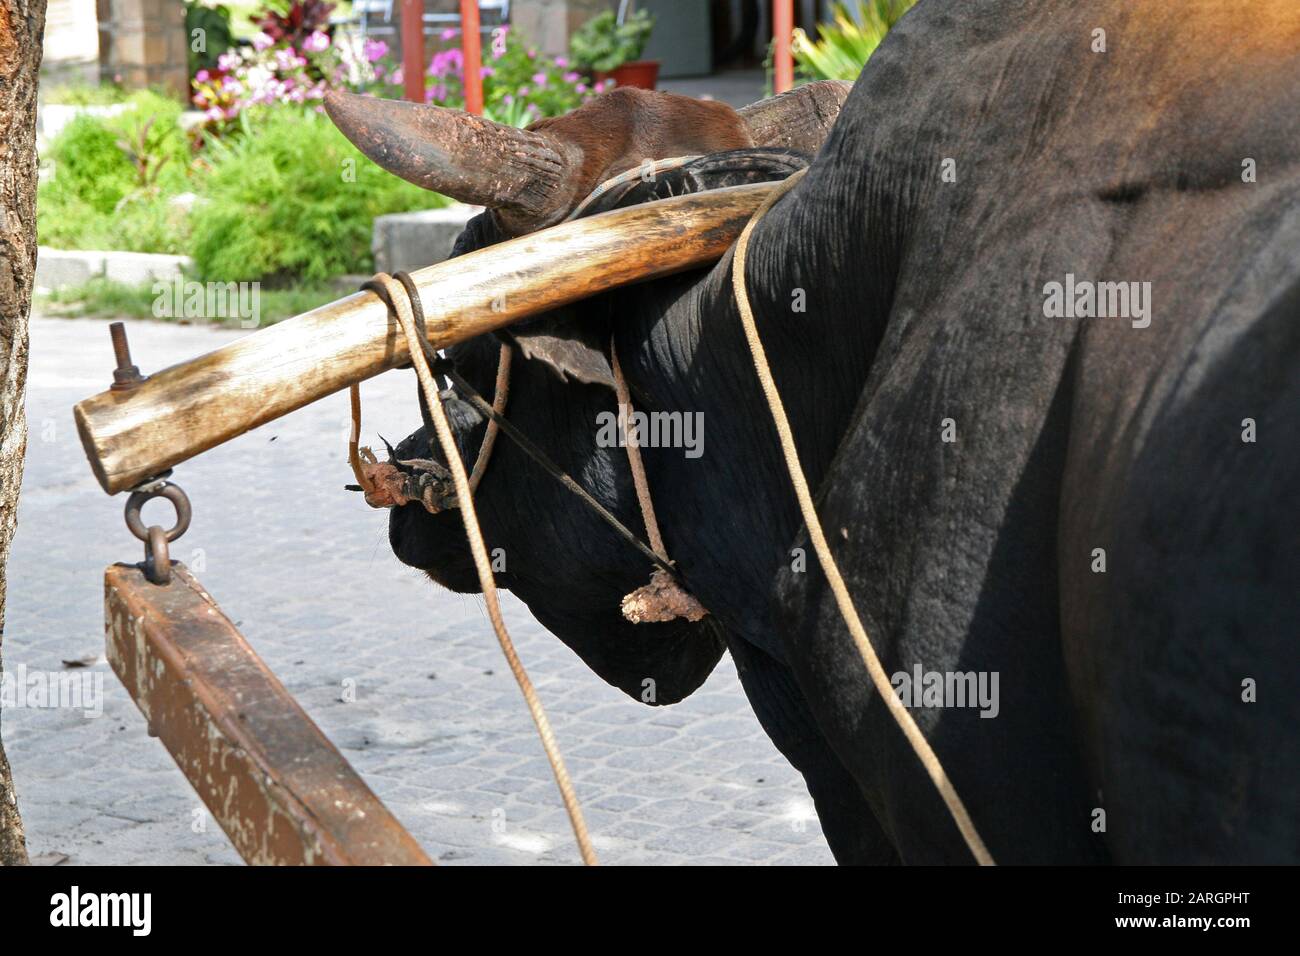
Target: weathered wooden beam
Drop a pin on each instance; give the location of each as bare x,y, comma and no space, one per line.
272,780
136,433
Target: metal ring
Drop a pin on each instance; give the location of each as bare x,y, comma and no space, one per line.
165,489
157,560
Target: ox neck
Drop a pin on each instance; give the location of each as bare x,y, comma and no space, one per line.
732,518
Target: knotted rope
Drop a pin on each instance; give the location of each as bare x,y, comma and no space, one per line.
385,485
664,598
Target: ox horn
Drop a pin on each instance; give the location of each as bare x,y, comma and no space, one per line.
523,174
800,119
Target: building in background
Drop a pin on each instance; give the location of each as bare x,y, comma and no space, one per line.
135,42
143,42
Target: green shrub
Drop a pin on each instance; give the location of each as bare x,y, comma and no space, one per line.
603,44
143,224
150,137
283,202
214,21
86,167
286,198
112,178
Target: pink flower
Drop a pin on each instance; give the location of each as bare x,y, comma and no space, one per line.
261,41
539,79
316,43
201,76
580,88
228,61
561,61
447,61
450,33
375,50
572,77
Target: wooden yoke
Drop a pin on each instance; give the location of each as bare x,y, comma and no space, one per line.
136,433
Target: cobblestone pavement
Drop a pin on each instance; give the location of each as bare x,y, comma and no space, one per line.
437,727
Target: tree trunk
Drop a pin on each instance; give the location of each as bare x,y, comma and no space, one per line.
22,29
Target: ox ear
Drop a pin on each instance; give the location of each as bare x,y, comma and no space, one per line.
800,119
527,177
574,349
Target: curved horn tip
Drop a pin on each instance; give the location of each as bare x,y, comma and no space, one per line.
349,112
338,102
522,174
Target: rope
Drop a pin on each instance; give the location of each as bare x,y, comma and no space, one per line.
354,438
358,458
639,479
500,395
664,598
540,458
929,760
405,306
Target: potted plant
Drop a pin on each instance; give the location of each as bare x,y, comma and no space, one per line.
611,50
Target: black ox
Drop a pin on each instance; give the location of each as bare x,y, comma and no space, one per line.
1100,510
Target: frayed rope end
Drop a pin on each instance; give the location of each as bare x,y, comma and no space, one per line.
663,599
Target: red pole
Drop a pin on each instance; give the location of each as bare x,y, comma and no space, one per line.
783,32
471,46
413,50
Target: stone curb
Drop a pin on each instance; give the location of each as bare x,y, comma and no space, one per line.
413,240
60,268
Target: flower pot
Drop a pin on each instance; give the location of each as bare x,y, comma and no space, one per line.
642,74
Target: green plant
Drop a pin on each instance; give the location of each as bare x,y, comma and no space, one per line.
111,180
217,36
151,138
85,165
290,198
842,48
603,44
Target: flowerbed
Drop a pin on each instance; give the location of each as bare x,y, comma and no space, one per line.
260,186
